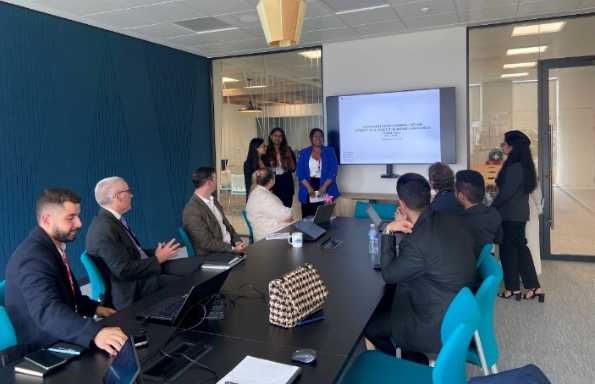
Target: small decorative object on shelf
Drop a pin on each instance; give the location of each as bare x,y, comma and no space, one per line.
495,156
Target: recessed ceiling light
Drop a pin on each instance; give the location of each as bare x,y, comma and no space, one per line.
425,10
536,29
529,64
509,75
255,86
217,30
526,50
311,54
362,9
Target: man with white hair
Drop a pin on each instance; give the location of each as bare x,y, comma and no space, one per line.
134,272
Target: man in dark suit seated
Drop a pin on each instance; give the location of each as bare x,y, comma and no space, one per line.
43,298
134,272
209,230
482,222
431,263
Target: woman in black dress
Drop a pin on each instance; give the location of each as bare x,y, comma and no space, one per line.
281,159
256,151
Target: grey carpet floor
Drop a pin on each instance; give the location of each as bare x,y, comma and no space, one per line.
559,335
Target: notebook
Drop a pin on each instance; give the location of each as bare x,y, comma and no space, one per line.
252,370
223,262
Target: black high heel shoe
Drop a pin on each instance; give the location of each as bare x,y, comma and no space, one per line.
516,295
540,296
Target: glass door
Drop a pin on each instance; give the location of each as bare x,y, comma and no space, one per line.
567,153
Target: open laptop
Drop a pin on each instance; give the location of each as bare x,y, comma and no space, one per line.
378,222
171,309
125,368
323,215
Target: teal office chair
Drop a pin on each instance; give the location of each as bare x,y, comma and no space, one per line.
2,289
95,278
186,242
485,252
8,337
485,353
386,211
360,210
250,231
459,323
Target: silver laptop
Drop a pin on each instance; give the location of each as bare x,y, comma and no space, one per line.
378,222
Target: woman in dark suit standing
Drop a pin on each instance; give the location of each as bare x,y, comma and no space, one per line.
317,171
281,159
515,181
256,151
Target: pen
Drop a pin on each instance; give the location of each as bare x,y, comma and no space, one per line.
312,320
65,351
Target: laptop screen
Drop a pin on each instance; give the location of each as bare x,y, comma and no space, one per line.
373,215
125,367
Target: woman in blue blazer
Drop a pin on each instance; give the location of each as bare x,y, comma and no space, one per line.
316,171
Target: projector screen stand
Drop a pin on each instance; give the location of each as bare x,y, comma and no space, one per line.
389,173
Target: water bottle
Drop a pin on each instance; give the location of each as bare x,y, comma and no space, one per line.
373,245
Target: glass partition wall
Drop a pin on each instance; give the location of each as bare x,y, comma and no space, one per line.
253,95
504,95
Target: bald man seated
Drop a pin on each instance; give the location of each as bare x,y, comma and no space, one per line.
135,272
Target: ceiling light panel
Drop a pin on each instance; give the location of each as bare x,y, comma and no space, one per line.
529,64
526,50
311,54
537,29
514,75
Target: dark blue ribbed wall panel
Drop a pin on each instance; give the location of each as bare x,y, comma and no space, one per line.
78,104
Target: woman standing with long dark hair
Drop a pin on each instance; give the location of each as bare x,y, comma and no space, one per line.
281,158
515,181
256,150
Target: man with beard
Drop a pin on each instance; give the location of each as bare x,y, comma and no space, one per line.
43,298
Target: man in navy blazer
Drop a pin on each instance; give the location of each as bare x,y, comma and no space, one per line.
43,298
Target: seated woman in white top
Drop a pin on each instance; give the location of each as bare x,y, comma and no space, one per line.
266,212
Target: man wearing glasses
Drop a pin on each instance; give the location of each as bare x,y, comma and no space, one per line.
134,272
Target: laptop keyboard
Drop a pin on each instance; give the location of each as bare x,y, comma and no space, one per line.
167,308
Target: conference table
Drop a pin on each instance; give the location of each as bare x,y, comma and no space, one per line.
355,289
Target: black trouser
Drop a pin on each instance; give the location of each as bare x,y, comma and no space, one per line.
516,257
309,209
379,331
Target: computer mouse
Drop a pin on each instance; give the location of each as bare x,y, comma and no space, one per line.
305,355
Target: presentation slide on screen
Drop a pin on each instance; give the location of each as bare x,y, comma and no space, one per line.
390,128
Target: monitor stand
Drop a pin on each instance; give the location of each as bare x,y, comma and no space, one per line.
389,173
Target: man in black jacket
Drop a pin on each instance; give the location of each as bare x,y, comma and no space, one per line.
134,272
43,298
482,222
432,262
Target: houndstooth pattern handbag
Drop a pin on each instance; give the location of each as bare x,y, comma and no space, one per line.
295,296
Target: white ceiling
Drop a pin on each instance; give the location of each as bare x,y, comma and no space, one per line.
154,20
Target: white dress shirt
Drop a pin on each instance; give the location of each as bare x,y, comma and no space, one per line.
210,202
315,167
266,212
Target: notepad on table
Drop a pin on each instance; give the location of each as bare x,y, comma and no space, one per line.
278,236
252,370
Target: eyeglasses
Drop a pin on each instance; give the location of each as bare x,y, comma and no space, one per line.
129,190
503,144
